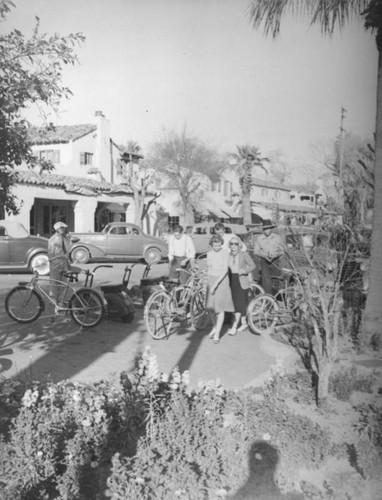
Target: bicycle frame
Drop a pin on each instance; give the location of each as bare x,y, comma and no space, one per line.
36,284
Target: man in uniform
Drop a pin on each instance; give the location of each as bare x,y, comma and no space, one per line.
58,254
270,248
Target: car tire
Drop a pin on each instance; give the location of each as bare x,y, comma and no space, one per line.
39,263
153,255
80,255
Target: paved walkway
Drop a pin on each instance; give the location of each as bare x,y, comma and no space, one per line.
63,351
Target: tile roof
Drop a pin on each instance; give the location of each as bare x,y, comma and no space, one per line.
81,185
60,134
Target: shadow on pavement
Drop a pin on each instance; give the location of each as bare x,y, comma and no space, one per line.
54,350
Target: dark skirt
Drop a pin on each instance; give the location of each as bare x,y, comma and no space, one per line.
239,294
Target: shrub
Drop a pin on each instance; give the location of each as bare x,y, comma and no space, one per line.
346,380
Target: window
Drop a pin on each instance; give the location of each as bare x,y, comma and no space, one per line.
264,192
118,230
52,155
86,158
173,221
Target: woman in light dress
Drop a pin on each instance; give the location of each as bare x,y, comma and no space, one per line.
219,297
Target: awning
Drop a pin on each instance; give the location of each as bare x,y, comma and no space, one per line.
216,212
262,212
116,208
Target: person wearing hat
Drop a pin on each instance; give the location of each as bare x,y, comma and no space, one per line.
219,229
240,267
58,254
270,248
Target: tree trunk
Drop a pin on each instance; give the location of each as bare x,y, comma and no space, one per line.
325,368
373,312
246,207
189,219
139,202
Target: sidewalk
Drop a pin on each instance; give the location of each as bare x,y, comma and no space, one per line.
61,350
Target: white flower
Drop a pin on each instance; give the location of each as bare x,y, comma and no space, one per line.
222,493
208,412
165,377
174,386
266,437
93,464
139,480
76,396
176,376
39,453
86,422
186,377
258,456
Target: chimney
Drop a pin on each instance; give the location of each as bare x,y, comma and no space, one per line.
102,149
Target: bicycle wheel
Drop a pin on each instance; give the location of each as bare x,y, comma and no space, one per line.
262,314
255,290
23,304
87,307
158,316
199,313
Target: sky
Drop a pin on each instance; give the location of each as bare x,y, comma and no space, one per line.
151,65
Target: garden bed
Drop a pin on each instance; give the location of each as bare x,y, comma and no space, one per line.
149,437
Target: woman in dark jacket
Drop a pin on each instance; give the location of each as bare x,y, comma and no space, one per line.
240,266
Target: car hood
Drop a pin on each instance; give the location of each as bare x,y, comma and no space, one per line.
37,240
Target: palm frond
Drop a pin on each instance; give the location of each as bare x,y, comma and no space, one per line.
327,13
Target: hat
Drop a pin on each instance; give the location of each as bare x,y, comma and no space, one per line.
267,224
58,225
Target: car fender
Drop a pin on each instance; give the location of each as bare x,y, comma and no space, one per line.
34,251
95,251
154,244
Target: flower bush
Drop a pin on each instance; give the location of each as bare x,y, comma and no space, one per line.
149,436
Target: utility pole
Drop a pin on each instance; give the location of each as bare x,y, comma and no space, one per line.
341,158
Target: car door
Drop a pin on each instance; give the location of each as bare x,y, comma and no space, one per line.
135,242
4,246
117,243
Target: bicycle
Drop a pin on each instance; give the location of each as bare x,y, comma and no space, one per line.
173,304
265,311
26,302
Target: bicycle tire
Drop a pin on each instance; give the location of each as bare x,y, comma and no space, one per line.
262,314
158,316
199,313
255,290
23,304
87,307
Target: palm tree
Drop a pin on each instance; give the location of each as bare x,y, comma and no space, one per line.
246,161
329,15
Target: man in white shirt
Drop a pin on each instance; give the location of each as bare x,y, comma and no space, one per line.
181,252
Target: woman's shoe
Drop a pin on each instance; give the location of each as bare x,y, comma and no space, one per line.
216,341
232,331
212,334
243,327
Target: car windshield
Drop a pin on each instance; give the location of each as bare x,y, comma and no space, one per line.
106,228
16,230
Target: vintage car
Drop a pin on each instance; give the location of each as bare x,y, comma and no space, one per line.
118,241
20,251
